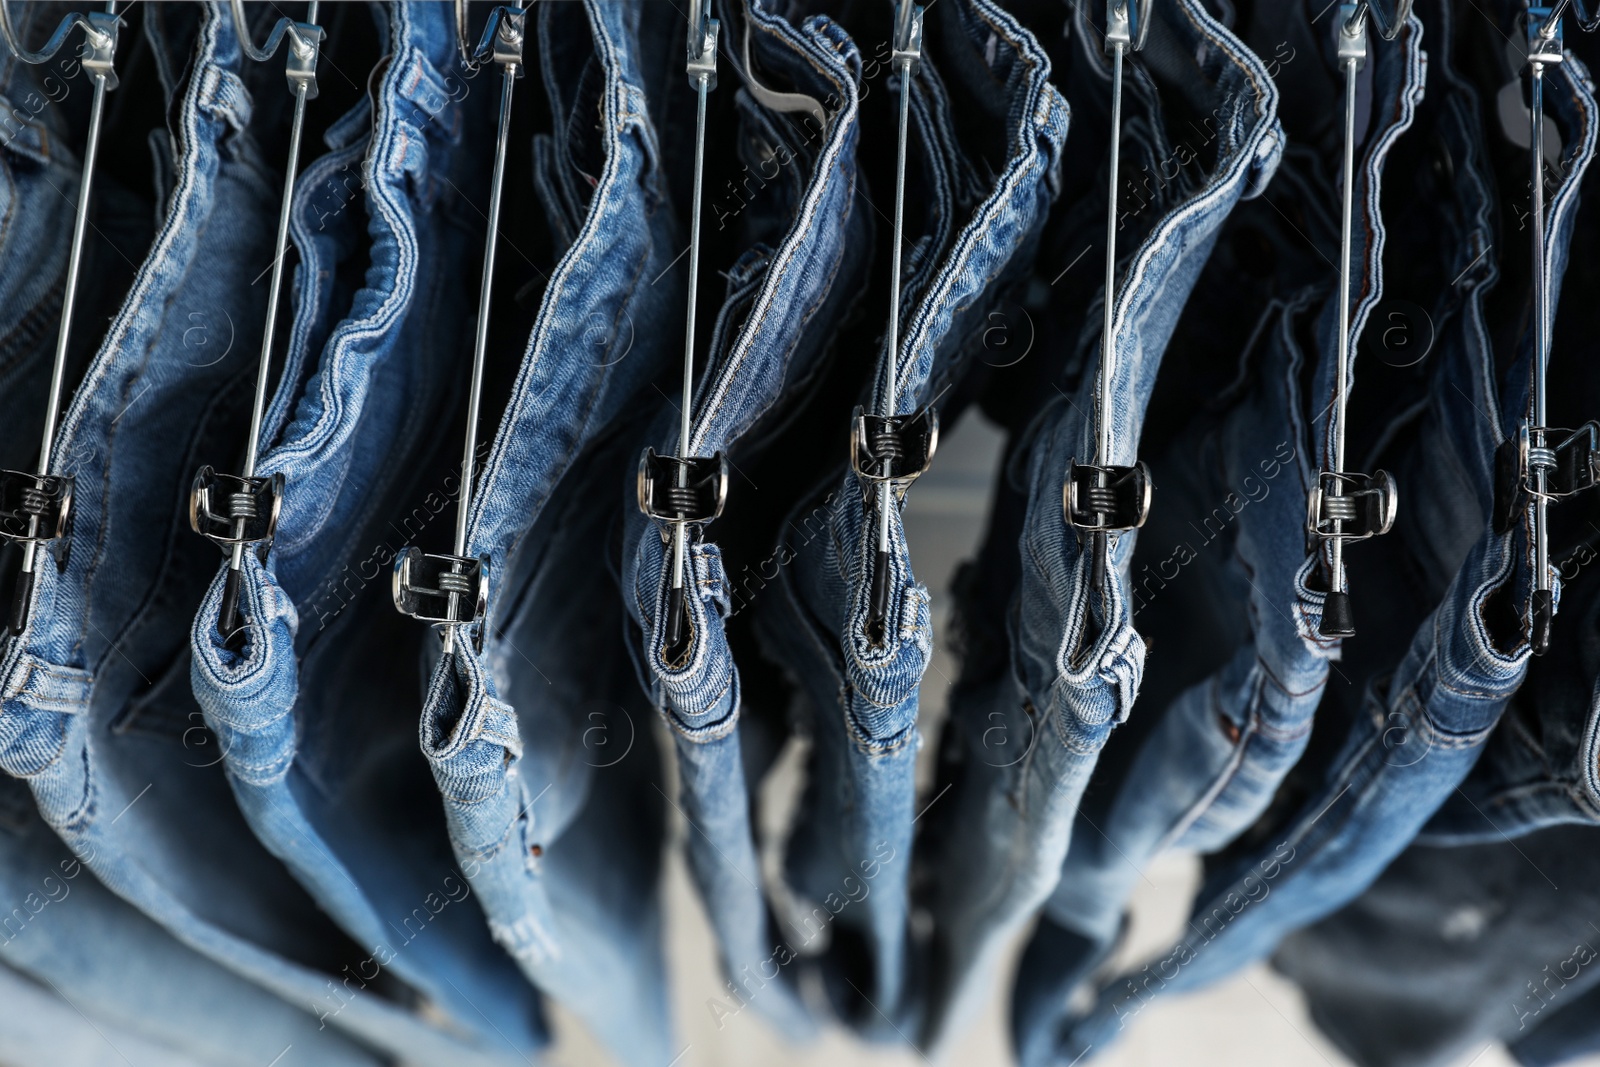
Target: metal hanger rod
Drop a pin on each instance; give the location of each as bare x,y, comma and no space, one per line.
891,380
1342,367
1541,329
480,343
1107,341
69,297
702,87
274,296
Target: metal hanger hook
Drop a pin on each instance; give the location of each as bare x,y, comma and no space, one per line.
474,59
302,47
702,38
1388,21
1135,14
1586,14
463,42
96,36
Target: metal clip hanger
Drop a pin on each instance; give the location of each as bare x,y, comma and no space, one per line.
1099,499
682,489
1346,505
888,449
1543,464
236,510
452,591
36,509
1586,12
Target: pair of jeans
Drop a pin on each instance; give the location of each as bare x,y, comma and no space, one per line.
1024,742
539,756
1424,724
319,763
93,710
970,239
1542,765
1218,752
798,273
1453,948
80,943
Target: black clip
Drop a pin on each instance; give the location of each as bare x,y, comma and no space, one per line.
905,443
1106,499
248,512
35,508
1570,466
444,590
1363,505
701,499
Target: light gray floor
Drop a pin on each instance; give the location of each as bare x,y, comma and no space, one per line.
1255,1019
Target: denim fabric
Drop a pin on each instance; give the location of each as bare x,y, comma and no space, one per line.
1542,765
1007,822
98,954
797,275
1422,726
973,238
94,712
1571,1032
44,1029
559,836
314,765
1217,754
1453,948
